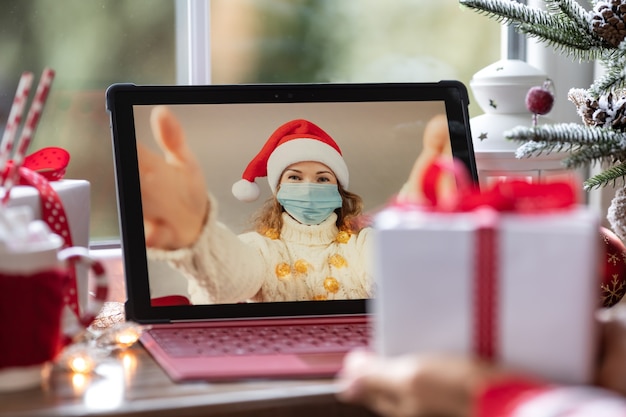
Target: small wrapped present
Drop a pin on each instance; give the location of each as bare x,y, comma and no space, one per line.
75,197
64,204
510,275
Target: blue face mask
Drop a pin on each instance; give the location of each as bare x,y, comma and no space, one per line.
309,203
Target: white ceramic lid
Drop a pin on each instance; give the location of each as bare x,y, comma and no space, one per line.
509,71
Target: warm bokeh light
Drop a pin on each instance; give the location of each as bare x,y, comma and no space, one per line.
79,383
81,362
120,336
127,337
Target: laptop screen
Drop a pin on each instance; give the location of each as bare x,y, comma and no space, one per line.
198,241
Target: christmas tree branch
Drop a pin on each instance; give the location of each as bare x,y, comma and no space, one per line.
613,79
566,39
573,11
614,76
510,12
579,157
572,133
605,177
531,148
602,153
564,26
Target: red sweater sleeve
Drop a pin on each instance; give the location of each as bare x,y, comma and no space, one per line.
501,397
521,397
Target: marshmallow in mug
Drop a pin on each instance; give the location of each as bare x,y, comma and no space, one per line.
21,236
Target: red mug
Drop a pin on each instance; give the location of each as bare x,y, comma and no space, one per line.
34,280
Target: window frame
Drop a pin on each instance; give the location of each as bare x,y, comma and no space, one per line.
193,42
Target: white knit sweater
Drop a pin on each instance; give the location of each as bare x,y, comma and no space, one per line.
304,263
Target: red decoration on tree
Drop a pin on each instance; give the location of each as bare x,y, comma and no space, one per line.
612,268
540,99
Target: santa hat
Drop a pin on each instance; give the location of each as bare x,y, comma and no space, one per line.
295,141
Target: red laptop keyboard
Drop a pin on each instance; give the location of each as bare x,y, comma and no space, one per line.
259,340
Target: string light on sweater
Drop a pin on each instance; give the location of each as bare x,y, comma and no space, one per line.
284,271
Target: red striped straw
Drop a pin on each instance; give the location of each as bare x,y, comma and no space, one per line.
15,118
32,119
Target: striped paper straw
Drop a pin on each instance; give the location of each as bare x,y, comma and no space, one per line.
15,117
34,113
32,119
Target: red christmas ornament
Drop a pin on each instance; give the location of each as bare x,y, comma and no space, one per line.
540,99
612,268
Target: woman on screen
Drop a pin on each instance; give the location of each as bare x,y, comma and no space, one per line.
309,243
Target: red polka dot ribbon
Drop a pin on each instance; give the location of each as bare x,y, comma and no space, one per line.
39,168
51,163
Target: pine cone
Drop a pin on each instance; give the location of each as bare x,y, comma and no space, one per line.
608,111
616,214
608,21
619,118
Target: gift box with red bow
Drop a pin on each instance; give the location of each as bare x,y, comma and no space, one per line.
64,204
509,274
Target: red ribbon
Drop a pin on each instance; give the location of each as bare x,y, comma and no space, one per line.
51,163
485,294
508,196
38,169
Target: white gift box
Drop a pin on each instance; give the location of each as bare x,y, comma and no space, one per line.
75,196
544,295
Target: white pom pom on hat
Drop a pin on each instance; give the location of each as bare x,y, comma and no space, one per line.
245,190
295,141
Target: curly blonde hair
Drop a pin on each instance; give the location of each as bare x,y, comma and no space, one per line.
268,221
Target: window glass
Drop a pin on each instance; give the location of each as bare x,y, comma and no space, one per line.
94,43
349,41
90,44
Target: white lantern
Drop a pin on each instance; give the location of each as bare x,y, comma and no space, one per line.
500,90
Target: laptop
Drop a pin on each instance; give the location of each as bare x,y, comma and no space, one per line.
192,333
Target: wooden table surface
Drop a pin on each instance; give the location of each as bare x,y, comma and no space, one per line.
130,383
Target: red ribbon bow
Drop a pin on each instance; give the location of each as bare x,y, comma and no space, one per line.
509,195
51,163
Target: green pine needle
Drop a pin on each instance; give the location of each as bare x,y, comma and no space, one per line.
564,25
613,78
584,156
508,12
531,148
571,133
572,10
565,39
602,179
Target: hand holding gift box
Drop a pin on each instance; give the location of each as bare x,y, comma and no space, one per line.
510,274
